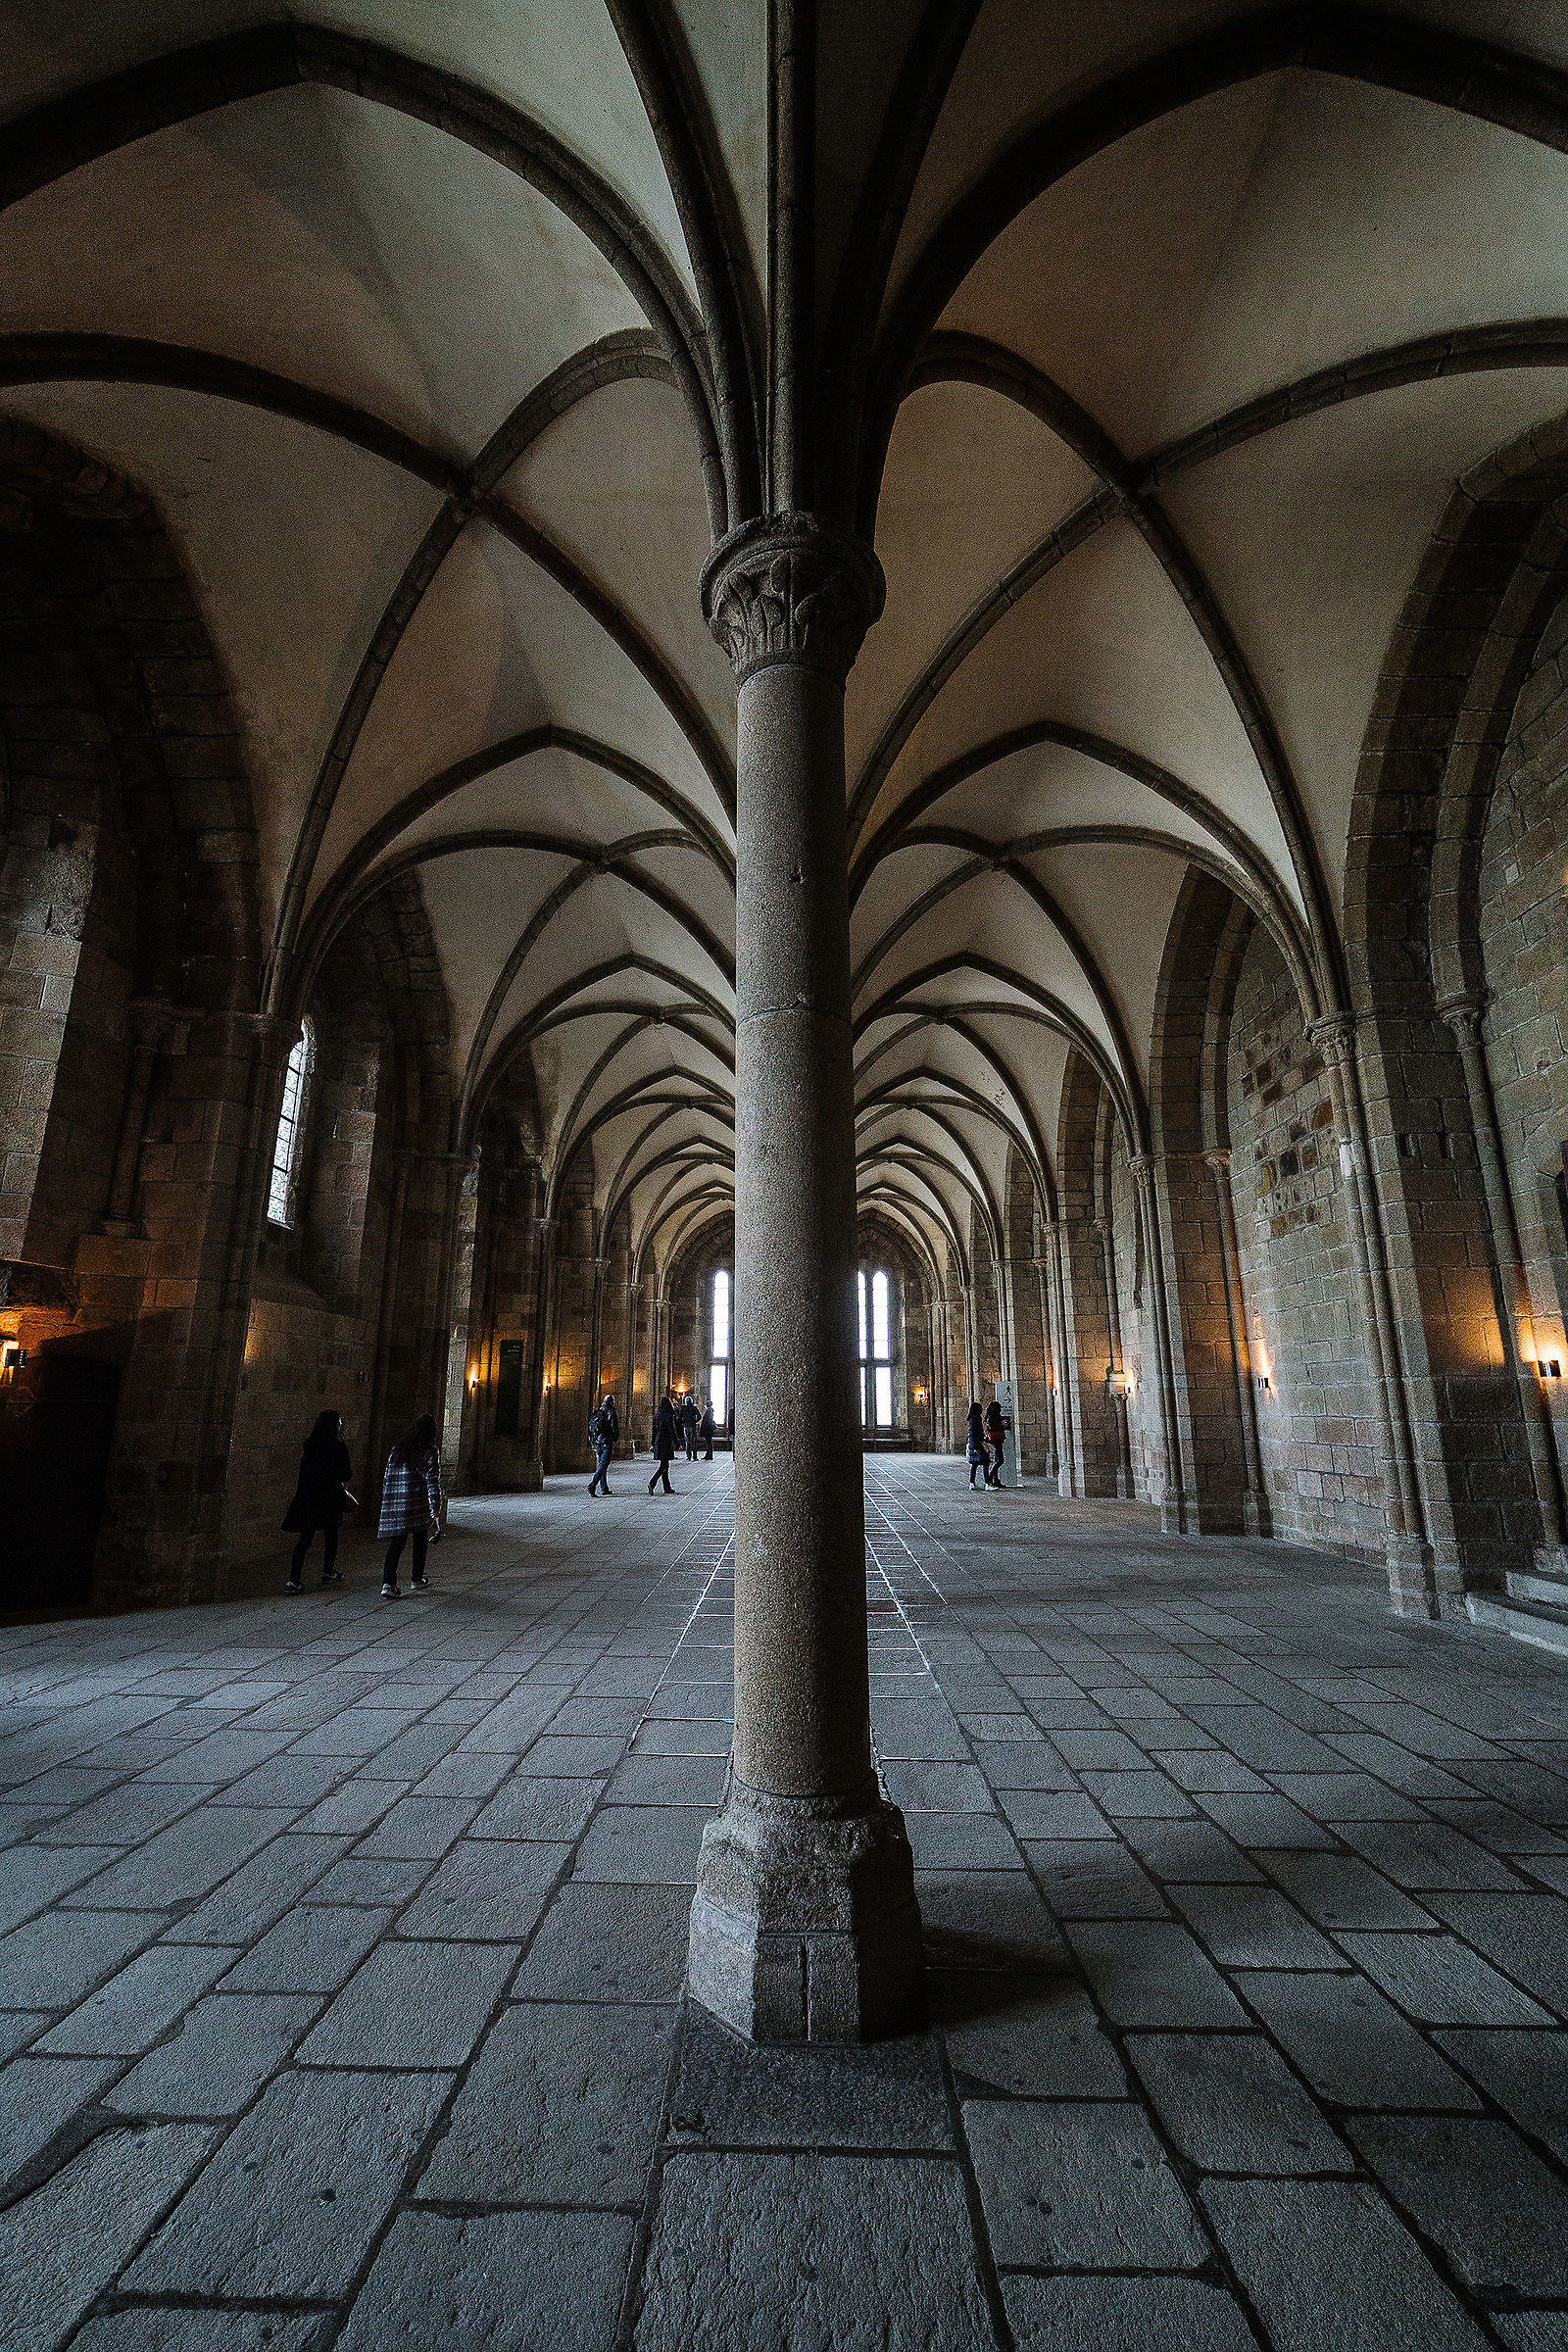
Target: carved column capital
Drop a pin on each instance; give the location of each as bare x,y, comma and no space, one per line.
1218,1160
1334,1035
1463,1014
792,588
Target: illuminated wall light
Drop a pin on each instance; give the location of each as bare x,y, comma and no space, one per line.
1550,1367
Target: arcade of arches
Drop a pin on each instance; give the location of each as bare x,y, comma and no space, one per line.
639,641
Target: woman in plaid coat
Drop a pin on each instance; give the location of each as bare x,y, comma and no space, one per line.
411,1503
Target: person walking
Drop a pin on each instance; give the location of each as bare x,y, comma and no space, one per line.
604,1428
666,1438
410,1504
979,1459
705,1429
320,1498
996,1439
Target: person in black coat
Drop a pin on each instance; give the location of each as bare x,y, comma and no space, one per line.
975,1444
705,1429
688,1423
996,1439
320,1498
666,1437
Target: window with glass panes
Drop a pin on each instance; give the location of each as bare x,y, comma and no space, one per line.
290,1130
719,1368
876,1350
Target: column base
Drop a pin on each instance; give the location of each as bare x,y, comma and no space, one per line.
1411,1587
805,1925
1172,1511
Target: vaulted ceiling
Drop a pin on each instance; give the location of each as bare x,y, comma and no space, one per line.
1151,341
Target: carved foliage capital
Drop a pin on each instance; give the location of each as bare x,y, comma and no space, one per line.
792,588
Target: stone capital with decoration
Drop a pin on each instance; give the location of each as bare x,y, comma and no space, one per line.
792,588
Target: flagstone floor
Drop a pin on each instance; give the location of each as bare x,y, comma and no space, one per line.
341,1952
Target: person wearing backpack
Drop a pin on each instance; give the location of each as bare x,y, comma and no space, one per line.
604,1428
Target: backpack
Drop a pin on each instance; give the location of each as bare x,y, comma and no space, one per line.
596,1424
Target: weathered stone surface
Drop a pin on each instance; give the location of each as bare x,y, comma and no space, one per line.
1330,2269
184,1861
732,2093
1340,1891
1094,1882
159,2328
62,2245
54,1962
1441,1982
416,2004
1253,1926
486,1893
315,1949
1079,2185
38,2096
528,1806
1148,1971
1123,2315
1525,2072
1352,2044
561,2107
419,1827
138,2004
290,2203
976,1919
1231,2104
494,2282
1034,2037
226,2049
824,2254
1475,2189
642,1845
609,1943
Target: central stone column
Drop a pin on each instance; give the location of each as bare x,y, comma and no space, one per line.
805,1925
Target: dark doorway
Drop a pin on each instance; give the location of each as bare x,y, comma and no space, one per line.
54,1469
509,1389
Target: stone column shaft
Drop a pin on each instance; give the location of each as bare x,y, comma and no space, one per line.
805,1925
1254,1499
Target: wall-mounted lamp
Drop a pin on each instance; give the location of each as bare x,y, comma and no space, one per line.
919,1396
1264,1382
546,1384
474,1382
13,1355
1120,1383
1550,1367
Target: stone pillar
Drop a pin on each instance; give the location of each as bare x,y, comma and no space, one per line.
626,1444
1118,1362
1254,1499
1463,1017
1173,1514
1412,1587
544,1231
805,1925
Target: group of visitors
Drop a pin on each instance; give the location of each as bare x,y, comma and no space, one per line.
412,1502
988,1433
677,1425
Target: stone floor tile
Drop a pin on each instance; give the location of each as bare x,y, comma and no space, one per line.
260,1892
1123,2315
1253,1926
226,2049
685,1739
357,1731
1341,1891
853,2253
315,1949
1101,1750
1533,2331
38,2096
411,2004
184,1862
642,1845
419,1829
354,1807
609,1943
1265,1821
1079,2185
644,1780
1190,1853
1525,1934
32,1877
1526,2070
293,2198
1331,2268
140,2003
441,2284
54,1962
561,2107
1352,2044
61,2246
987,1919
1030,2037
1138,1795
1040,1813
961,1841
1345,1797
938,1787
1441,1982
1474,2188
1085,1880
19,2027
1023,1764
464,1775
290,1783
555,1757
1427,1855
730,2094
125,1815
159,2327
1210,1771
1231,2104
371,1880
1149,1972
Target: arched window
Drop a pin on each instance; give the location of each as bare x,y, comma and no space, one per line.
877,1350
719,1368
291,1129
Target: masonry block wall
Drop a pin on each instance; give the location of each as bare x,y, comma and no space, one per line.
1307,1339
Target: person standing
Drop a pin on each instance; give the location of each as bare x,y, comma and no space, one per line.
975,1446
604,1428
410,1504
996,1439
688,1422
665,1440
705,1429
320,1497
